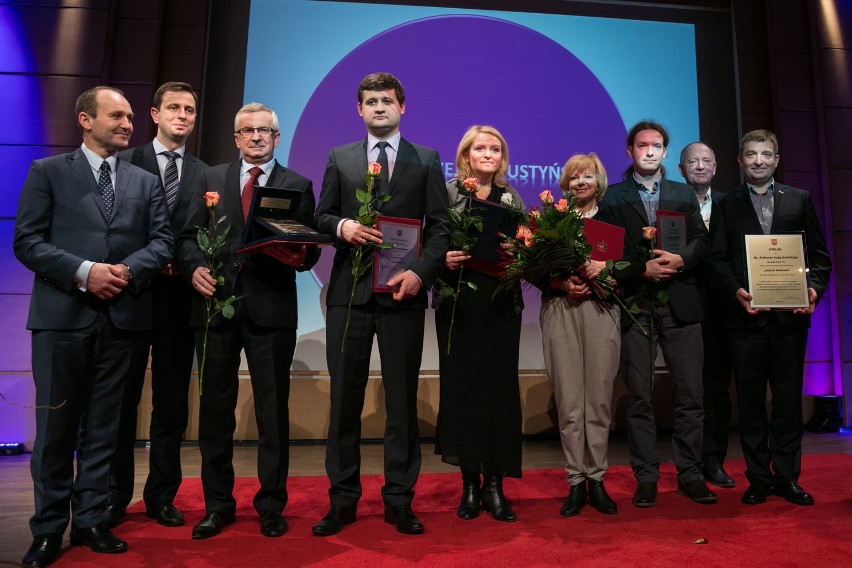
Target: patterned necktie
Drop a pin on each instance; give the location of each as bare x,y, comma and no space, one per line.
171,181
384,175
105,185
248,190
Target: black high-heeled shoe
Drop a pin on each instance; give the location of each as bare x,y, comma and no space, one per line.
471,494
494,501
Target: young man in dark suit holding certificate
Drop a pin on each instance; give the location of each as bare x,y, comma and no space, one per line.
417,191
633,204
769,346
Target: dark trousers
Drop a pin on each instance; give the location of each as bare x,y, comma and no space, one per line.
683,350
79,379
172,347
771,355
269,352
400,338
718,372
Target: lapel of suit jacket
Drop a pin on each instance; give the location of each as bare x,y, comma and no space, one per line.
277,176
667,201
122,180
779,205
81,168
630,195
404,156
232,199
747,206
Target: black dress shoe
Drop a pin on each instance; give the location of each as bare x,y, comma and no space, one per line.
99,539
404,519
471,495
494,501
575,501
44,551
112,515
718,477
756,494
212,524
165,515
792,492
600,499
697,491
645,495
334,521
272,523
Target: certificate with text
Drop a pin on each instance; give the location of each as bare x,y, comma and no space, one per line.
671,231
405,236
777,275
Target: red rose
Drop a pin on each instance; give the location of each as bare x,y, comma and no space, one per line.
470,184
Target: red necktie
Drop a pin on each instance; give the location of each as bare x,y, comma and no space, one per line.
248,190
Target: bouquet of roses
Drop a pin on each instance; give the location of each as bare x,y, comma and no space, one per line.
549,244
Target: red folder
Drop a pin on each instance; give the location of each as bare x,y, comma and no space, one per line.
607,240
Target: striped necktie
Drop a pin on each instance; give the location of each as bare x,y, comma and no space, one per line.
171,182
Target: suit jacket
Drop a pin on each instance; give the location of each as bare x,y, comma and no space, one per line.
62,222
268,286
417,191
793,212
191,167
623,206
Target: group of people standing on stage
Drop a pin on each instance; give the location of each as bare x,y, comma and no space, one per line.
111,235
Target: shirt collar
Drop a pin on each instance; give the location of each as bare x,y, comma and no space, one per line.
95,160
267,167
769,190
159,148
393,141
641,187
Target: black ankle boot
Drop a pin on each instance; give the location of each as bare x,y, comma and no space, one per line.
600,499
469,506
494,501
576,500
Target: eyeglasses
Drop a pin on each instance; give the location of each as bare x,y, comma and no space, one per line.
264,131
707,162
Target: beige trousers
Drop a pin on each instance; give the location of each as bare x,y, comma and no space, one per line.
582,342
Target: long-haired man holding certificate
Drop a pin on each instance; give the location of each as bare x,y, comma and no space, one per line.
411,176
769,345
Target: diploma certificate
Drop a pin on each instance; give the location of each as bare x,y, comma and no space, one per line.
405,235
671,231
777,276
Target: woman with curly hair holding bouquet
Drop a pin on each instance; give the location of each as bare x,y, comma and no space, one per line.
479,418
581,339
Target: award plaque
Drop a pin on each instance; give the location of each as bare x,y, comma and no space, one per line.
405,235
496,219
272,221
671,231
777,275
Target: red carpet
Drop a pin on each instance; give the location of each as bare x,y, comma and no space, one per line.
775,534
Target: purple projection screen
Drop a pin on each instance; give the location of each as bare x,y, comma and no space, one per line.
554,85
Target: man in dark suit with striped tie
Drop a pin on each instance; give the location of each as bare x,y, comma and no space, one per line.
171,341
